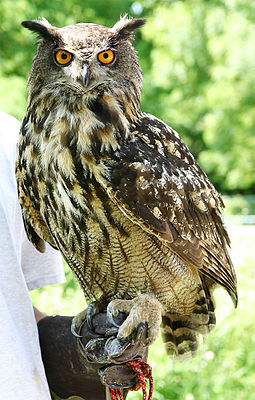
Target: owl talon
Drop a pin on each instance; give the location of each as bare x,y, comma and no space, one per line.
143,310
137,335
111,314
77,322
111,331
74,332
92,310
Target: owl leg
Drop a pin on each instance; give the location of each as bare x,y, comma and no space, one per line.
142,309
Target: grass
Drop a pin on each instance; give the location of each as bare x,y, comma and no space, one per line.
224,368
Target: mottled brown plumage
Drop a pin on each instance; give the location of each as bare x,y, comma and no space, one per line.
116,190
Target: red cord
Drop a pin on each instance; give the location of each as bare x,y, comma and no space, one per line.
143,371
116,394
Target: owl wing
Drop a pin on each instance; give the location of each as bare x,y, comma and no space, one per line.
157,183
35,227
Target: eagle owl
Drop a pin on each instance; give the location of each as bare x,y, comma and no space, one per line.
116,190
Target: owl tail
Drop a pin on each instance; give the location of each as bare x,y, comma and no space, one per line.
180,332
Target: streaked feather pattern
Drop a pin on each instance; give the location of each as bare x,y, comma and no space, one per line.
116,190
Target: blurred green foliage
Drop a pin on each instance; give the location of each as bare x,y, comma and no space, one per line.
239,205
224,367
198,63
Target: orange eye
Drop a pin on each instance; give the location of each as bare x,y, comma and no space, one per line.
63,57
106,56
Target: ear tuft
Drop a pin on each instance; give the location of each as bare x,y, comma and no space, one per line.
125,28
43,28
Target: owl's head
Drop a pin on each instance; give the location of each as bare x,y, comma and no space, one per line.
85,57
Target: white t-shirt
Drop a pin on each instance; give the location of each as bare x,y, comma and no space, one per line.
22,268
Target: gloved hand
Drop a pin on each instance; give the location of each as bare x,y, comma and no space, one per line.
84,367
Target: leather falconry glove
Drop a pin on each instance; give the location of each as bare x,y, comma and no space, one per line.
81,368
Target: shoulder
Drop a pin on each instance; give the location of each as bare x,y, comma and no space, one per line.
163,138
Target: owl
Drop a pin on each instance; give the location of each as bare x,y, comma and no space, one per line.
116,190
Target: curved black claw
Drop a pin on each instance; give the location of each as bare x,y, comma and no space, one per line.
112,331
92,310
73,329
111,313
139,335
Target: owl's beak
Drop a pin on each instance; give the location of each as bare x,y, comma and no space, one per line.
85,75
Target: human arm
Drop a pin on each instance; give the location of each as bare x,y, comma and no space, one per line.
38,314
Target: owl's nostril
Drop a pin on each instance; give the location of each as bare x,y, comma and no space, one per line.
85,75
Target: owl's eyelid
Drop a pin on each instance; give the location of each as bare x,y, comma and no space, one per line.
63,49
107,49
